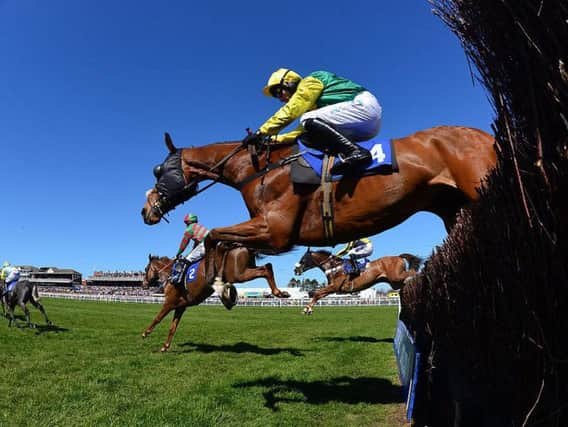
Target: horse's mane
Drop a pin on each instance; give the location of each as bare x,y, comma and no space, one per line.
160,258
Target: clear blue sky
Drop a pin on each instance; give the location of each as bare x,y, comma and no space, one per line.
87,89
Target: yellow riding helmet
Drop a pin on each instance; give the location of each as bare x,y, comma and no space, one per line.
281,76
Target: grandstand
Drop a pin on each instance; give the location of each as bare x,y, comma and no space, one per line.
51,276
116,278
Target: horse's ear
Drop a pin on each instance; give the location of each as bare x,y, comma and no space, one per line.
149,257
170,143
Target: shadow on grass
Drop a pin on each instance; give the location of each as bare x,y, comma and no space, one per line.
20,323
354,339
342,389
240,347
43,329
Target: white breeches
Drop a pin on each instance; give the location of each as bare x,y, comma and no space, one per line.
13,276
361,251
358,120
197,253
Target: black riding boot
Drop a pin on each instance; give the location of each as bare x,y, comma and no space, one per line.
353,155
355,265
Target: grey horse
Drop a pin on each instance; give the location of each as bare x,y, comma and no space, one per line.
21,294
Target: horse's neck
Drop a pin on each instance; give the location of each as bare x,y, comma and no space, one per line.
328,264
237,167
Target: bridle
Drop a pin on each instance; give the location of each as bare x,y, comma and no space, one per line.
314,264
158,274
163,205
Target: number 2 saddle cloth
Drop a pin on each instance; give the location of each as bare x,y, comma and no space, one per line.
307,170
183,272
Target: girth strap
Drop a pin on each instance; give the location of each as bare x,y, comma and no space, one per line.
327,200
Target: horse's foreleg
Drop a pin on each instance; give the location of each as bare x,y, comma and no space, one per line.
27,314
173,327
319,294
363,281
11,316
163,312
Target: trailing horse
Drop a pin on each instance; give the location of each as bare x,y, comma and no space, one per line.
388,269
439,170
237,264
20,295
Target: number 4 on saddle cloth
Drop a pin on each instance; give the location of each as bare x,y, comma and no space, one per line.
383,162
184,272
361,265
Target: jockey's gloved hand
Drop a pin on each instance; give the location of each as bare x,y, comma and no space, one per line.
253,138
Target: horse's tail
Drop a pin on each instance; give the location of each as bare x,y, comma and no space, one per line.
35,293
414,261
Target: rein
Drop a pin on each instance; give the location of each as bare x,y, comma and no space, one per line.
282,162
220,163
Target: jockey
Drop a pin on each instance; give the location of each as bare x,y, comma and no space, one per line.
195,232
359,248
4,270
334,113
10,275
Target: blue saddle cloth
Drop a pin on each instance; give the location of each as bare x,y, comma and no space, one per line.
380,149
191,273
361,262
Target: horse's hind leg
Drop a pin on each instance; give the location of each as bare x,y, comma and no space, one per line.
39,306
173,327
264,271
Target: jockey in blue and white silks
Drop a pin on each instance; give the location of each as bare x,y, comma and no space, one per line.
10,274
360,248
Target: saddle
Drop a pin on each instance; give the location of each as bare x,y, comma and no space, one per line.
309,168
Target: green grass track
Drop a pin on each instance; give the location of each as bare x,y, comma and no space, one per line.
245,367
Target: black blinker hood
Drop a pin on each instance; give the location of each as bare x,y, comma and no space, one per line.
172,182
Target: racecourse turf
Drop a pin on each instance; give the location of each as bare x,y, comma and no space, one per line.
245,367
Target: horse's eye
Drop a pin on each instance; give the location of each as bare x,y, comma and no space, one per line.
158,171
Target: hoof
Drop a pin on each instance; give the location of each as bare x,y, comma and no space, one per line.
283,294
229,296
164,349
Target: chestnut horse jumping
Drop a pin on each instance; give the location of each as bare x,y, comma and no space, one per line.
388,269
439,171
239,266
